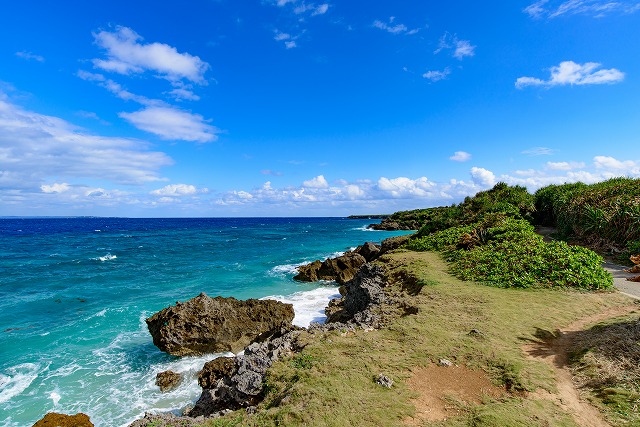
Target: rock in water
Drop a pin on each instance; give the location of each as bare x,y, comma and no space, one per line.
341,269
53,419
168,380
216,369
214,325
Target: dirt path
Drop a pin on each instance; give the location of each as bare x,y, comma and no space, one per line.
554,353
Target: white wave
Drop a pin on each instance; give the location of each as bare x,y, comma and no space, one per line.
107,257
309,305
17,379
55,397
285,270
363,228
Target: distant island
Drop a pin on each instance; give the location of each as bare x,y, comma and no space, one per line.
375,216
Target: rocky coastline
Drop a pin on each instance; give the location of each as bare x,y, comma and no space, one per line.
260,332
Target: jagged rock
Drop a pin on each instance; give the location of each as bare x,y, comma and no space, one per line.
361,294
168,380
369,251
166,420
243,387
393,243
341,269
384,381
53,419
215,370
215,325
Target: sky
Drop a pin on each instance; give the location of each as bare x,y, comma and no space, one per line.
212,108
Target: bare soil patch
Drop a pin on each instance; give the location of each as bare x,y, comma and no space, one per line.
443,391
553,349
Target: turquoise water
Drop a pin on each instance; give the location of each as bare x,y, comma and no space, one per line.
74,293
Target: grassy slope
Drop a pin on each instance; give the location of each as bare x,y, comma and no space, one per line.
332,383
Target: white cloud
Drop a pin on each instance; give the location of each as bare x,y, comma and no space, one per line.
55,188
565,166
539,151
175,190
436,76
605,162
571,73
36,149
29,56
182,94
172,123
594,8
317,182
482,177
126,55
460,156
321,9
290,44
280,36
394,29
463,49
404,187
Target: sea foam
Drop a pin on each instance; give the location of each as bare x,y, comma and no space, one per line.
309,305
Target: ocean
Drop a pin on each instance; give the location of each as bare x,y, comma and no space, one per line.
75,292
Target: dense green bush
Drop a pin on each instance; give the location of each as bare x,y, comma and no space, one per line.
608,210
504,251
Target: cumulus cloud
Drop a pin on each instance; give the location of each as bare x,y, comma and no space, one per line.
126,54
317,182
393,28
403,187
55,188
571,73
35,148
594,8
175,190
483,177
29,56
172,123
436,76
565,166
460,156
605,162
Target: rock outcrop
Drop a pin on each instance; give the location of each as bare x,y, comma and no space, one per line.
168,380
234,383
213,325
340,269
53,419
391,224
362,297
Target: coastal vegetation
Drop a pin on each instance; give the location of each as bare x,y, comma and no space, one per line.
480,329
505,346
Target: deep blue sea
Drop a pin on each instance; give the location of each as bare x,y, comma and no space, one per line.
74,293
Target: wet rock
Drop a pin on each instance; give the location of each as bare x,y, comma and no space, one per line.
340,269
53,419
168,380
214,325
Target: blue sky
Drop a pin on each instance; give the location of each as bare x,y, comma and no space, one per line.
301,108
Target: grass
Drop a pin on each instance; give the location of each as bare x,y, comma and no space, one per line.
606,361
332,382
